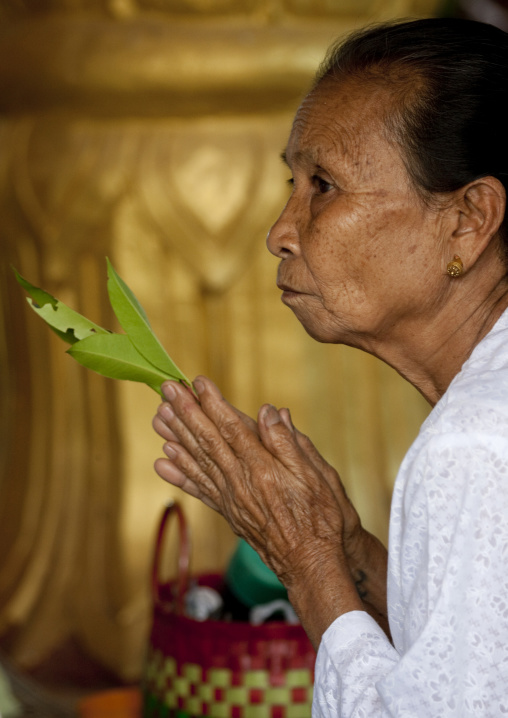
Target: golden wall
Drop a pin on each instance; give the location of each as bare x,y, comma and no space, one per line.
149,131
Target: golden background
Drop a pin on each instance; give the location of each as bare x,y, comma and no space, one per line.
150,131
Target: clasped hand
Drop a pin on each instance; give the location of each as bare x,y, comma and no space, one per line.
267,480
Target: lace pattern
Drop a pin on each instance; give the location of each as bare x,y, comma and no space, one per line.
447,572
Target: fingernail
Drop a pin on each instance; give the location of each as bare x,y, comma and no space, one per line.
199,386
271,416
286,418
169,451
167,412
169,391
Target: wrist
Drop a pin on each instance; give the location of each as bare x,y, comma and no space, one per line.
369,567
321,591
365,553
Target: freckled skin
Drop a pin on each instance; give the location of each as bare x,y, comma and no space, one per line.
366,257
358,248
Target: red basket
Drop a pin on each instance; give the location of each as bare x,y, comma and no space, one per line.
216,668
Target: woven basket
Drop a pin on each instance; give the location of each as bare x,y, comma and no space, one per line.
216,668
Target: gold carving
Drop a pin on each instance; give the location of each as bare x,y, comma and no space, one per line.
209,191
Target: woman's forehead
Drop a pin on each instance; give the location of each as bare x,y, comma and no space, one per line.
341,118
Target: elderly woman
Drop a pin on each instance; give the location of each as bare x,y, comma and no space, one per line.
393,241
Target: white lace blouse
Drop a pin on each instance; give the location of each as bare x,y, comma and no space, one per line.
447,569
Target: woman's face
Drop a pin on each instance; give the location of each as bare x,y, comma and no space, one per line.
361,255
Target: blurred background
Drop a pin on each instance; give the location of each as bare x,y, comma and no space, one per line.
149,131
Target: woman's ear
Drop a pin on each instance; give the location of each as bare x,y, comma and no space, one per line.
481,207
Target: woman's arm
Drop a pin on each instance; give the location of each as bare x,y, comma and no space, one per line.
274,489
367,557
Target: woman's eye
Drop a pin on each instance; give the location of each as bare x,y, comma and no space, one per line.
322,185
290,181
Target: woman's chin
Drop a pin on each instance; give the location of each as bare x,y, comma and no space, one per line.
321,332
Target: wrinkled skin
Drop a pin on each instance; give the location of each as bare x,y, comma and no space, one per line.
362,262
285,500
353,264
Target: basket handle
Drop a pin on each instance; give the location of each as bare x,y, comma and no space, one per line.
172,510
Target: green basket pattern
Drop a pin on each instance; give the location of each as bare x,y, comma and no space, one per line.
189,691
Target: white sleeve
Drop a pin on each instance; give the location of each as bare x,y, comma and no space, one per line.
453,614
354,653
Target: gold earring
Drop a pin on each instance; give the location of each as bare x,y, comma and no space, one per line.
455,268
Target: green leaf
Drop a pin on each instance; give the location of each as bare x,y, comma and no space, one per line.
114,356
65,322
39,296
134,322
118,356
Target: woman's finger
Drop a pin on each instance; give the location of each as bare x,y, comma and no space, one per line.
192,471
321,465
211,431
352,523
249,422
238,430
279,437
168,471
160,425
313,455
304,442
286,418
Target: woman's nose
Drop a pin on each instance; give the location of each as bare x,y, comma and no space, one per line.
282,239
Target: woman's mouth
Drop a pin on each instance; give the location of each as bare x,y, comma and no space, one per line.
286,289
288,292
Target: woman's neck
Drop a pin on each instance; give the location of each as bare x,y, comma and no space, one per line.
430,354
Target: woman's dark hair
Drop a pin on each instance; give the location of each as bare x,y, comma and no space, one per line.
449,79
